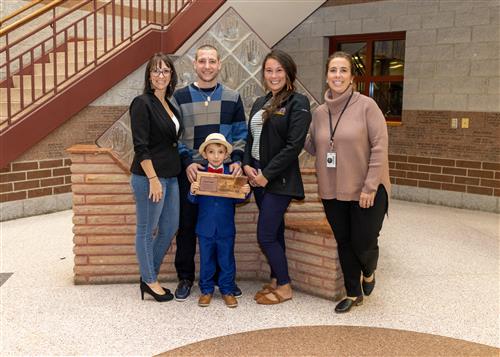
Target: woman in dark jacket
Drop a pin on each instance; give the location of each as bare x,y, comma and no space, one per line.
156,127
277,129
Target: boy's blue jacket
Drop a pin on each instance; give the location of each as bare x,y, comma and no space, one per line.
215,214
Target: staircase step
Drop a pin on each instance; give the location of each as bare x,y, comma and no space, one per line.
49,81
14,108
15,94
80,46
80,58
49,68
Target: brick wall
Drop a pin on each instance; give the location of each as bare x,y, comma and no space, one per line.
36,182
104,231
425,152
479,177
30,179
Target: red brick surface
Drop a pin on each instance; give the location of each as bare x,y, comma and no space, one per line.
423,140
471,176
13,196
39,192
6,187
7,168
51,163
35,179
430,184
23,166
453,187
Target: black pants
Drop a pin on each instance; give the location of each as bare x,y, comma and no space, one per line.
186,235
356,231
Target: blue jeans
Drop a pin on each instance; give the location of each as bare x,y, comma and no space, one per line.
164,215
217,250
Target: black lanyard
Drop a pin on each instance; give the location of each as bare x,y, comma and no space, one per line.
332,130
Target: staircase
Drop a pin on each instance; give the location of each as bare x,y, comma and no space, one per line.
78,55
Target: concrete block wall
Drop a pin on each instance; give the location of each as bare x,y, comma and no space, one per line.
452,60
452,47
104,231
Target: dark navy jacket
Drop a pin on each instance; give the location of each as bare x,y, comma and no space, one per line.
215,214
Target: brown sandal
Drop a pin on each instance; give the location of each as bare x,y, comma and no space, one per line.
266,289
264,300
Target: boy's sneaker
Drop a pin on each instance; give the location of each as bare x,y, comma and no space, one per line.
183,290
204,300
230,300
237,293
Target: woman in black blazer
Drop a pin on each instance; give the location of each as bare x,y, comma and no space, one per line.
156,127
277,130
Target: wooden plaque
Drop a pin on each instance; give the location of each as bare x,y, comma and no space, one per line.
221,185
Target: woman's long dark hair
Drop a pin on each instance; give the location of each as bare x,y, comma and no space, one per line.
288,64
155,62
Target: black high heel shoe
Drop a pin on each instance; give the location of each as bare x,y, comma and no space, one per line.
164,288
146,289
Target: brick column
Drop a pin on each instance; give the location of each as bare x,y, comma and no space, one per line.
104,231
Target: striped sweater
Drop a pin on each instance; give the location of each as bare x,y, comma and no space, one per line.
223,113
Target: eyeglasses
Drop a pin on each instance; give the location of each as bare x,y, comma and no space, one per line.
156,72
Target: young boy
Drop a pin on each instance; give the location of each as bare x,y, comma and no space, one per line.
215,226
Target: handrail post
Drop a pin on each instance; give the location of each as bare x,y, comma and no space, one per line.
9,82
54,53
95,31
113,16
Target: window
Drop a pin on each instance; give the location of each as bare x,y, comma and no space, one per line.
378,67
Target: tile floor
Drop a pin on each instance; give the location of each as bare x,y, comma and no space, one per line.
438,273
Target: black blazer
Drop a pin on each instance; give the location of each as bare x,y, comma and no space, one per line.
154,136
281,141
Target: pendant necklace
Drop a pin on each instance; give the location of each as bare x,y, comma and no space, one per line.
208,98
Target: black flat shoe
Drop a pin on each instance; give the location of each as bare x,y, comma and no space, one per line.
368,286
346,304
160,298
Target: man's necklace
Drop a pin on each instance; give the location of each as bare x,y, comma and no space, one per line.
208,98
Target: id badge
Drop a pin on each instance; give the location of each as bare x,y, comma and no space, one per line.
331,159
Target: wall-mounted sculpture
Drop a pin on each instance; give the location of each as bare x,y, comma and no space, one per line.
241,51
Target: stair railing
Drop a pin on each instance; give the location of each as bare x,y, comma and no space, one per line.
109,25
20,11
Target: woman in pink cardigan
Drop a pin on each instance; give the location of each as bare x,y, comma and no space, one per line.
348,136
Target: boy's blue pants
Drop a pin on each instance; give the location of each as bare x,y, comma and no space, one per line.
215,250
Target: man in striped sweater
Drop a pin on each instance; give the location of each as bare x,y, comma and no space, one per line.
207,107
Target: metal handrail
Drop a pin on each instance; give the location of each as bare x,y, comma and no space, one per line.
30,17
37,66
20,11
